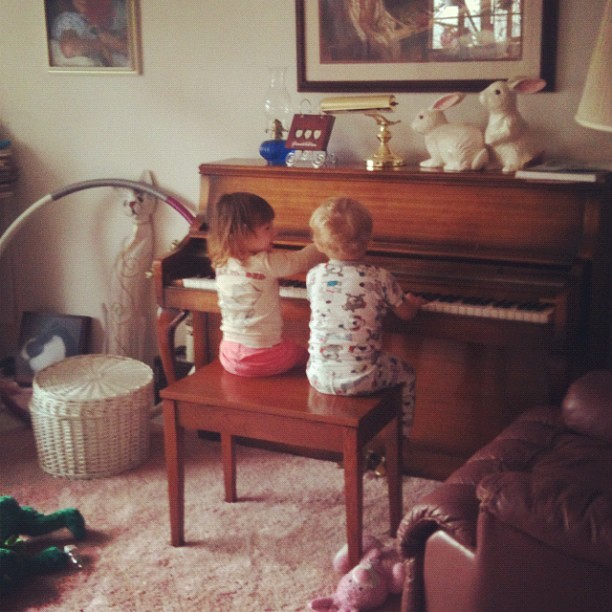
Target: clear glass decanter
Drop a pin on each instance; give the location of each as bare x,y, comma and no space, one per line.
279,113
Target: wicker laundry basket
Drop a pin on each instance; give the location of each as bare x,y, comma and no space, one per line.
91,415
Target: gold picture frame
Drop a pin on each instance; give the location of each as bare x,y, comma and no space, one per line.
408,46
94,37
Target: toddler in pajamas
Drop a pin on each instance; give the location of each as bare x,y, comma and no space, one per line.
349,299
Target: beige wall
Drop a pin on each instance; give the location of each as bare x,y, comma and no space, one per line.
205,71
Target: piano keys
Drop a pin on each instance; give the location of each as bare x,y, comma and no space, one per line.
534,311
517,274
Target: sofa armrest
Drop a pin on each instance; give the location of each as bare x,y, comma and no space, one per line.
452,507
566,515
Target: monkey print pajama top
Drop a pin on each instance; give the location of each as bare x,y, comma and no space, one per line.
348,303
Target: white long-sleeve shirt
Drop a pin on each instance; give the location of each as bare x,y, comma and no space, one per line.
249,298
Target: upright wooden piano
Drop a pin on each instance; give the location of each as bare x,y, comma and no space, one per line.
518,275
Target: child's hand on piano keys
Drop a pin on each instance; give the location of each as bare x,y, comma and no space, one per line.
409,307
415,300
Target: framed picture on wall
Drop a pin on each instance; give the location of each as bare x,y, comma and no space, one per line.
45,339
93,36
422,45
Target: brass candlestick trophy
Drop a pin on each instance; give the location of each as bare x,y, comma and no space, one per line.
371,106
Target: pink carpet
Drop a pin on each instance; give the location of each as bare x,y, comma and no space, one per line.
270,551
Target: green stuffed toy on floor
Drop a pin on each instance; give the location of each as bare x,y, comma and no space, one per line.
17,521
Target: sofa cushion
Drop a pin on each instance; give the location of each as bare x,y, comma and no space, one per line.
516,448
565,514
587,405
577,457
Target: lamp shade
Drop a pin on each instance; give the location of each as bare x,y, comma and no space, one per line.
595,108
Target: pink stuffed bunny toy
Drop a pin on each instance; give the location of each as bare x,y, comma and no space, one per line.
340,562
365,587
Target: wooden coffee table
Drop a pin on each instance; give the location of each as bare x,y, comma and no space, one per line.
282,409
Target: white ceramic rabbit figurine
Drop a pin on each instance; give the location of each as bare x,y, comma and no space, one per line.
451,146
507,133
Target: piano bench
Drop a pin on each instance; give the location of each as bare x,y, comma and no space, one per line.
282,409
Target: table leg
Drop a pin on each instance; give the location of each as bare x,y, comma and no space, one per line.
201,342
394,473
174,441
353,494
167,321
228,454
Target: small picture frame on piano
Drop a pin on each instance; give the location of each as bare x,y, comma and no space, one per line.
308,137
310,132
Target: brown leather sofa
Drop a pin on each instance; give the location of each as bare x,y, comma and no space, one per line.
525,525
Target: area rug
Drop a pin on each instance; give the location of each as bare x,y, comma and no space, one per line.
271,550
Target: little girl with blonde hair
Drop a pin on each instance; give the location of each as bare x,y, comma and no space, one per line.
349,299
247,267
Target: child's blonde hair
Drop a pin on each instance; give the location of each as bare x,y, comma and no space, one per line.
341,228
230,221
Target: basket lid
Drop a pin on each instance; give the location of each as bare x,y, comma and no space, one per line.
93,377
